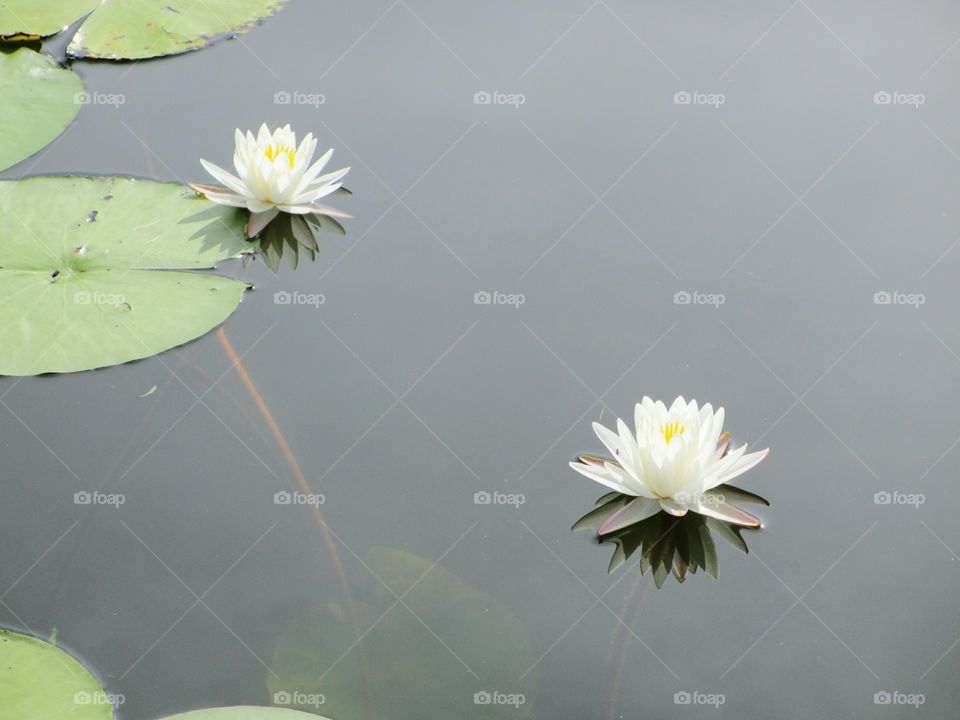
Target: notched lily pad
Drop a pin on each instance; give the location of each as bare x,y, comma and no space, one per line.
29,19
40,99
78,260
137,29
38,680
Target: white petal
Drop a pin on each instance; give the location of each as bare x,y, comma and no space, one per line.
743,464
636,510
604,477
232,182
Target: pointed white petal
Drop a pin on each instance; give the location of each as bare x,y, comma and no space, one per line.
636,510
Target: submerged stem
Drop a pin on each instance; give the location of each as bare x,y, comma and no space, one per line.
305,488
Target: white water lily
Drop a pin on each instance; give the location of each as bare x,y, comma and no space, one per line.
676,460
274,175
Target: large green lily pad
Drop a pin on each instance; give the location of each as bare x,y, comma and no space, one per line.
39,681
78,287
245,712
135,29
40,17
40,99
400,669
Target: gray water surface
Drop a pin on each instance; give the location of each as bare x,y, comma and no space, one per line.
598,199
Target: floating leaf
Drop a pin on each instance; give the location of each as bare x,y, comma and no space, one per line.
245,712
401,669
40,18
77,271
39,681
136,29
40,99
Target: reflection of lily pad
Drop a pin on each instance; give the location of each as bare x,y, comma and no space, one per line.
41,17
406,671
39,102
134,29
77,262
39,681
244,713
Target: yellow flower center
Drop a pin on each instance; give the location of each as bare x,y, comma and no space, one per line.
275,151
670,430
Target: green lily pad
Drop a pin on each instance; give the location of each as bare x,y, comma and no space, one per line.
40,99
78,287
136,29
400,668
39,681
40,18
244,713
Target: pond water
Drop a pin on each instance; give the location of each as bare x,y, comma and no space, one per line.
778,240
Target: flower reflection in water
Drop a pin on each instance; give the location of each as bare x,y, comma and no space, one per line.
667,543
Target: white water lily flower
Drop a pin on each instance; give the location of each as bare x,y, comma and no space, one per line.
676,461
274,175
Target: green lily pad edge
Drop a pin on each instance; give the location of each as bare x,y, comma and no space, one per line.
133,29
41,100
40,680
245,712
99,271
